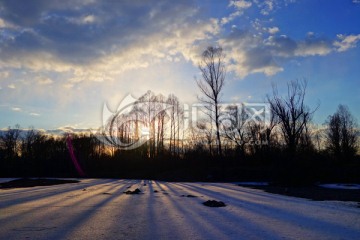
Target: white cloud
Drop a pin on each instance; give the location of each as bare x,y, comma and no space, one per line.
313,47
87,19
6,24
273,30
16,109
44,81
68,129
34,114
231,17
269,6
68,85
346,42
36,61
12,86
2,23
4,74
265,6
240,6
249,53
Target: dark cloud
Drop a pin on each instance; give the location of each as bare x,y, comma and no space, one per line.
29,13
81,31
281,46
22,13
259,58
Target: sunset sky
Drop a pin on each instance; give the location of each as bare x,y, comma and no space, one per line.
60,61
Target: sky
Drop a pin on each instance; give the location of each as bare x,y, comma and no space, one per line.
60,61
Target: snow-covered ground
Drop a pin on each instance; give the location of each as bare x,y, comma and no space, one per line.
2,180
341,186
98,209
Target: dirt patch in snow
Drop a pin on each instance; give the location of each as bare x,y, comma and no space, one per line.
136,191
214,203
189,196
25,183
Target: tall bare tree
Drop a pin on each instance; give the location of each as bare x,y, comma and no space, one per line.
291,113
212,67
175,117
342,133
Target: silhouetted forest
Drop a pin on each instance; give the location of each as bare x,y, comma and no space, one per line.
155,137
250,152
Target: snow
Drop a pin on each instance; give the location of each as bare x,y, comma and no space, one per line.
99,209
340,186
253,183
2,180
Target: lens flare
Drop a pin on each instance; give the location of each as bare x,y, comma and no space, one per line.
73,157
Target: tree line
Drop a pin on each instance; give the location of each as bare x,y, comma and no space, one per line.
150,139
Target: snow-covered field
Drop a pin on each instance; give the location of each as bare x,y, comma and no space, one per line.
341,186
98,209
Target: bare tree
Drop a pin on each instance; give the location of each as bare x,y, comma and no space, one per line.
27,144
342,133
175,117
206,134
213,72
10,142
235,128
291,113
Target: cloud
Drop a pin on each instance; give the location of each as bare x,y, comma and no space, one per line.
281,46
23,13
99,40
273,30
34,114
312,48
66,130
44,81
87,19
2,23
266,6
240,6
11,86
249,53
4,74
16,109
346,42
